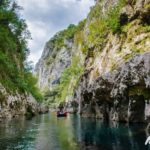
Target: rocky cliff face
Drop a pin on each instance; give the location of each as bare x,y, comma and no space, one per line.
52,64
122,95
115,85
13,105
114,46
59,66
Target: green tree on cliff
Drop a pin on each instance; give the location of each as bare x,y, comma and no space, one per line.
14,51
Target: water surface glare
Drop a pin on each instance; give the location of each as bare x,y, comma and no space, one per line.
47,132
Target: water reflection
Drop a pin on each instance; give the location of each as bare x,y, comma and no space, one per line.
47,132
96,134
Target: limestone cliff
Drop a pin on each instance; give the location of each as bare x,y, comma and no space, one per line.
113,48
115,85
15,104
52,64
122,95
60,66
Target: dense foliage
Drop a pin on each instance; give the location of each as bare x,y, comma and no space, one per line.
102,24
58,39
68,34
14,76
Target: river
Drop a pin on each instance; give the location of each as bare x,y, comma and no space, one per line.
47,132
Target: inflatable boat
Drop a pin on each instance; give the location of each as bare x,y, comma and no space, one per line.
61,114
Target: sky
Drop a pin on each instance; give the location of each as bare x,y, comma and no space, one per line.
46,17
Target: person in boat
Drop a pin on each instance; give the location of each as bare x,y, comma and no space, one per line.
61,112
61,108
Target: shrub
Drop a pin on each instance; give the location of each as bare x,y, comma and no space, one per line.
101,25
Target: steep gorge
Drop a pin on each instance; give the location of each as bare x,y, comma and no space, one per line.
104,65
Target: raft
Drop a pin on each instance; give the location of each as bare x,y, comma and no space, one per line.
60,114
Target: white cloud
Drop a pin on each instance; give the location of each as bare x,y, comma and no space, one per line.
46,17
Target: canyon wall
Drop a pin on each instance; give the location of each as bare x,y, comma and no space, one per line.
113,50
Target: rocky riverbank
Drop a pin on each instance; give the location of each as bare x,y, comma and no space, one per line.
16,104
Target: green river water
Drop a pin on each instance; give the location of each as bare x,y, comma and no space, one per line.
47,132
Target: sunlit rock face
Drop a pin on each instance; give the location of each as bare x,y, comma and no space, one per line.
15,104
122,95
49,71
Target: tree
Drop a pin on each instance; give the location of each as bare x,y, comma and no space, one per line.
15,72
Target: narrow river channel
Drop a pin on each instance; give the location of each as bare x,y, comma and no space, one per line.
47,132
